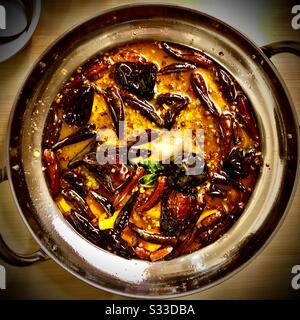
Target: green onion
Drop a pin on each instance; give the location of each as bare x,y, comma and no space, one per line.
152,166
148,180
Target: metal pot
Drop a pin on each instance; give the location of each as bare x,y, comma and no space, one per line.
258,77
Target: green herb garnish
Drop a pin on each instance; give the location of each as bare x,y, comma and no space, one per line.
148,180
152,166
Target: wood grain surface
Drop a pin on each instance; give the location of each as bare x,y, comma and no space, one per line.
268,276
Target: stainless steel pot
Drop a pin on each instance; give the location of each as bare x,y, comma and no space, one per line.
190,273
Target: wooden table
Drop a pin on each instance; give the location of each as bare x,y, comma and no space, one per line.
268,276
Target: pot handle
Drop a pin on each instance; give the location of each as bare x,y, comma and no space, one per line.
11,257
281,47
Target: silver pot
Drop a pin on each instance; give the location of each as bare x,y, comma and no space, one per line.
269,203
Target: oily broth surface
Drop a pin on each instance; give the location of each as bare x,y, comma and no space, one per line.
194,116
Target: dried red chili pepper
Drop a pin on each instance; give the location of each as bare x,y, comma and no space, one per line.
201,90
152,237
137,78
79,111
155,195
176,103
93,69
103,201
82,134
227,84
52,128
246,116
80,204
226,128
116,107
123,217
129,186
52,171
76,180
190,55
143,106
177,67
84,227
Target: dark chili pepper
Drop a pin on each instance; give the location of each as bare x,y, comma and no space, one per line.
187,237
215,191
79,112
246,116
82,134
130,185
236,139
171,114
52,171
148,135
116,243
87,83
171,98
79,203
76,180
222,177
201,90
212,219
177,211
122,55
227,84
183,247
113,173
213,233
152,237
116,107
113,157
78,158
177,67
234,165
104,202
160,253
94,68
84,227
52,129
143,106
155,195
69,92
226,128
204,236
176,103
252,159
91,159
102,178
221,228
123,217
137,78
189,55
